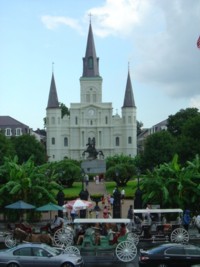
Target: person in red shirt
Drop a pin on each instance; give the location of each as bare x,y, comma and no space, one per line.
122,232
105,212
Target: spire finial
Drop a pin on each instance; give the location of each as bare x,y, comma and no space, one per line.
52,67
128,66
90,15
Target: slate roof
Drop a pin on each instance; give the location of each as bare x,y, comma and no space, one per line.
53,97
129,98
7,121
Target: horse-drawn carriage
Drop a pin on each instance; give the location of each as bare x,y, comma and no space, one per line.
97,236
160,225
24,232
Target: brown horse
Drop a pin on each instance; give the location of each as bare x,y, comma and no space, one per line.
21,235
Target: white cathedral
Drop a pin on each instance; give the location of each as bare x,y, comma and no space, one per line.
91,119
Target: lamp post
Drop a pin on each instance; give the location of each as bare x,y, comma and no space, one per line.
117,201
138,179
60,199
83,176
83,195
138,193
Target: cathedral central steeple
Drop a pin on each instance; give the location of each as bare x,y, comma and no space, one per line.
90,61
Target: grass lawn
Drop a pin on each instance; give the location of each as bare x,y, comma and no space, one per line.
73,192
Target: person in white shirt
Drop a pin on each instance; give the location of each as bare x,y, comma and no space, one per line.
65,211
58,221
122,195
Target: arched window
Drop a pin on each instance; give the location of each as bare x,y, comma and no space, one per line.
8,132
129,140
18,131
76,120
53,141
90,62
53,120
106,120
117,141
65,141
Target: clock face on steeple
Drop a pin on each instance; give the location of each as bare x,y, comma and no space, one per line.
91,112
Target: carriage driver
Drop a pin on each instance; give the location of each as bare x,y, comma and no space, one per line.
57,222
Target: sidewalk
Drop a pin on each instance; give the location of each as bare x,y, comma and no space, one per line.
94,188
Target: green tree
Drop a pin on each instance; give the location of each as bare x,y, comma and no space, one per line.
188,144
6,148
139,127
119,159
27,146
27,182
172,185
175,123
159,148
64,110
68,171
120,168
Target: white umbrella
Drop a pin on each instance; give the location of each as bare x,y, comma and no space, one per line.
79,204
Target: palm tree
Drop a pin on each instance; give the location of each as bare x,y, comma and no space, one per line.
27,182
172,185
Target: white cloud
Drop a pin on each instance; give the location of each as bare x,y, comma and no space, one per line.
118,17
169,58
113,18
53,22
195,102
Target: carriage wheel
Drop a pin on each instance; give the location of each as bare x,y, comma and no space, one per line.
180,235
72,250
63,236
126,251
132,237
10,241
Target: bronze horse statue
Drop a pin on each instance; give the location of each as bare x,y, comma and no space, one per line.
21,235
91,150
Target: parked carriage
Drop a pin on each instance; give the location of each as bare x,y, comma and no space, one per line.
159,225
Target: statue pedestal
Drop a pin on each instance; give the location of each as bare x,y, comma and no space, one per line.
94,166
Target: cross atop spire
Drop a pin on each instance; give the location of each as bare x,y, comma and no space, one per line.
90,15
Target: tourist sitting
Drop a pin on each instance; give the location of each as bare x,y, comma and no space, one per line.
122,231
88,232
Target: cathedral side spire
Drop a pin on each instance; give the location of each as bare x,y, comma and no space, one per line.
90,61
53,97
129,97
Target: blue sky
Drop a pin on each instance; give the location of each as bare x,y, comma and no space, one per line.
157,37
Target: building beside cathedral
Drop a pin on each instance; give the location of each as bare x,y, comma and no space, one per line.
91,119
